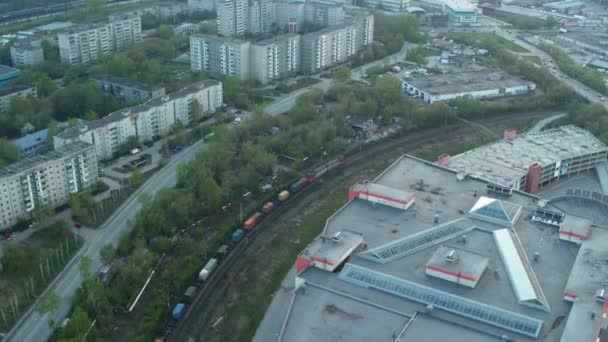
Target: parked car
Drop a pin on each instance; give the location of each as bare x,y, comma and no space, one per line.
77,225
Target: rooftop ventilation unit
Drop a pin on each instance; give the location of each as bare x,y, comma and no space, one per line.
548,217
336,238
451,258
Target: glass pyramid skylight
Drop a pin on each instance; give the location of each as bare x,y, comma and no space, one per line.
496,211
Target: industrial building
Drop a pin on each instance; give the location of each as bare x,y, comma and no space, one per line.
534,160
566,6
423,253
7,75
146,122
45,180
27,53
128,90
461,13
85,43
483,84
7,94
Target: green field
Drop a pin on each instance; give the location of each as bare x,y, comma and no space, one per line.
534,59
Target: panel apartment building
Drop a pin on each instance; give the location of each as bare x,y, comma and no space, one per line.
146,121
331,46
220,56
85,43
45,180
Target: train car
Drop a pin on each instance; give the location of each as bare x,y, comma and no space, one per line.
297,186
253,221
283,196
323,169
207,270
268,208
236,237
178,311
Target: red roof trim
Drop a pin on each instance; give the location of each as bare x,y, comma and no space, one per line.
454,274
388,198
569,233
323,261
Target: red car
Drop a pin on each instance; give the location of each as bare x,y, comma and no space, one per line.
7,235
77,225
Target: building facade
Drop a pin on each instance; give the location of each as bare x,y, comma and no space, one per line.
275,58
7,94
324,14
289,12
328,47
260,17
461,13
146,121
128,90
45,180
27,52
220,56
202,5
86,43
232,17
389,5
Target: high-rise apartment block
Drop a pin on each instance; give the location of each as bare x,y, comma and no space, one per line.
325,14
328,47
289,12
275,58
86,43
232,17
45,180
202,5
146,121
260,17
220,56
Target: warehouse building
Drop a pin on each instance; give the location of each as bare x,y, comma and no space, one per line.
442,257
475,84
45,180
532,161
146,121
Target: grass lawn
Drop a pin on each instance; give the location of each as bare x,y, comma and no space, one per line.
48,249
511,45
534,59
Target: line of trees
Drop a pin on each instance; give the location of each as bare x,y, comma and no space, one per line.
589,77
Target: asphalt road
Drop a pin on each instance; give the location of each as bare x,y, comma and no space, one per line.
34,327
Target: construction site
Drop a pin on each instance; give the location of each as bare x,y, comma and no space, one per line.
447,250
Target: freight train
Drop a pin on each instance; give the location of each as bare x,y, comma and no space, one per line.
239,233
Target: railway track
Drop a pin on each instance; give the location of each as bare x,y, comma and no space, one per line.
212,291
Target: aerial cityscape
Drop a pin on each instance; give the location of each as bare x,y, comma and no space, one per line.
303,170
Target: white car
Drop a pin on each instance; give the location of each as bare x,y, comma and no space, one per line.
237,121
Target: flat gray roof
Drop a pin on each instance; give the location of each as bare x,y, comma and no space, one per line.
459,82
118,115
505,162
33,162
128,82
467,263
439,192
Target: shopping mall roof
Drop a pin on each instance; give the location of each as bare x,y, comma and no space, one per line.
506,161
391,293
465,82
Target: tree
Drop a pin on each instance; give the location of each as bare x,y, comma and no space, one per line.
16,259
107,253
341,74
81,205
197,110
91,115
137,177
210,194
77,327
49,302
42,214
164,32
9,152
51,52
550,22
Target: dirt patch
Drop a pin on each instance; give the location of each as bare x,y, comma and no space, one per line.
334,310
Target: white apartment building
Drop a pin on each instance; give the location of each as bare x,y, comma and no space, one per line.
85,43
220,56
285,12
232,17
328,47
325,14
260,17
7,94
45,180
146,121
27,52
202,5
275,58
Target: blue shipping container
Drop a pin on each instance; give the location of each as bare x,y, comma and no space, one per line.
237,236
297,186
178,311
